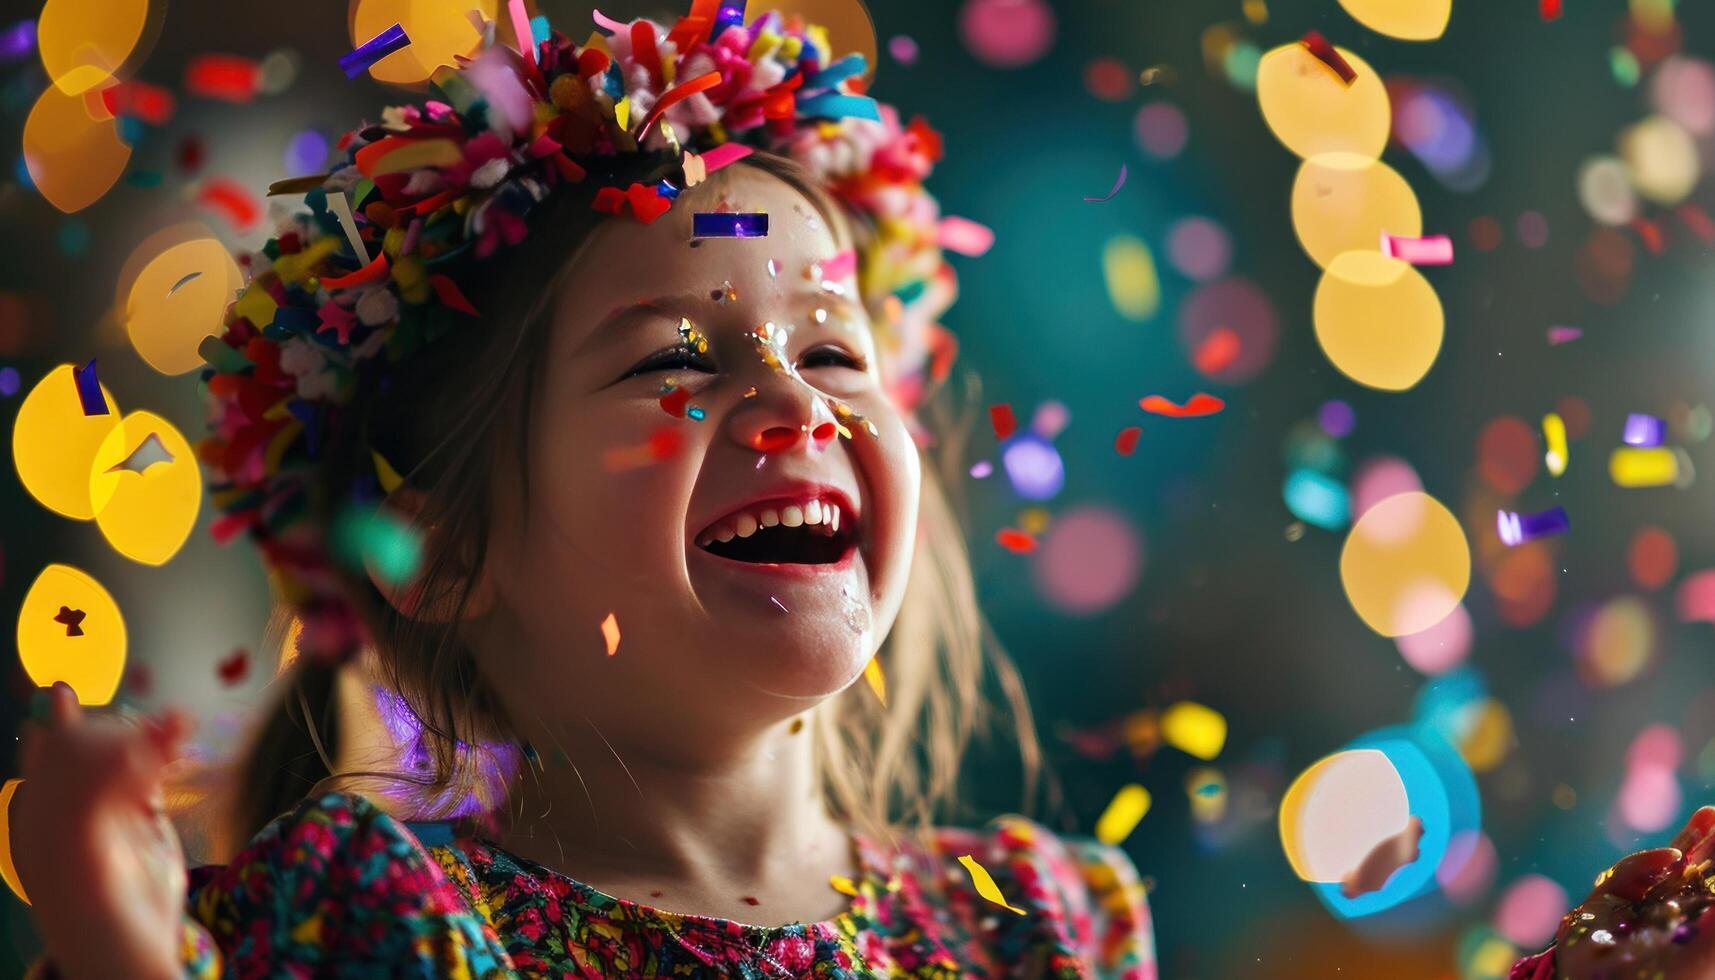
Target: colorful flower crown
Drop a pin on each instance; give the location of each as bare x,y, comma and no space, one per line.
375,267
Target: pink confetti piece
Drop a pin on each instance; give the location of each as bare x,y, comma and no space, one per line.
1429,250
1563,335
840,266
1110,195
964,236
724,155
981,469
903,47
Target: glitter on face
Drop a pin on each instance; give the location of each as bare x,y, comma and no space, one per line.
770,341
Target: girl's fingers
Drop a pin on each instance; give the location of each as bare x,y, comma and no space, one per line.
1698,836
63,705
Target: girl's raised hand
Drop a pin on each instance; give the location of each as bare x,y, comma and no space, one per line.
94,849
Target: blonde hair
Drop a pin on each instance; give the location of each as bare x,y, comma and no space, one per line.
879,763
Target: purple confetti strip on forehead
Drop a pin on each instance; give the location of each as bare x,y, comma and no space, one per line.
369,52
1643,431
729,224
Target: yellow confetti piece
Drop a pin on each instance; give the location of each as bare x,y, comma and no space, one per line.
877,681
1133,286
1194,729
71,630
1554,433
610,633
843,885
146,488
1122,814
385,473
622,112
985,884
1658,467
53,443
8,870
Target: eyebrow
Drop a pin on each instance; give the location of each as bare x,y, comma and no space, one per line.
663,305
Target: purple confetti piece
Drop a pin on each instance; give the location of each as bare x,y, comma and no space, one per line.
1515,529
369,52
981,468
89,389
729,224
903,47
9,381
1643,431
18,40
1563,335
1117,185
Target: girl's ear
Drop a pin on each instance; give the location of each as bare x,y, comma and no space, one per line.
412,599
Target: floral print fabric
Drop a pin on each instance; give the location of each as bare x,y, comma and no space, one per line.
337,888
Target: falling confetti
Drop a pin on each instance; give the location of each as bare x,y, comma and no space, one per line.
1515,529
610,633
1122,815
1118,183
1015,541
70,618
985,884
1126,442
1199,405
876,679
355,62
1001,418
233,668
1554,434
89,389
843,885
729,224
1194,729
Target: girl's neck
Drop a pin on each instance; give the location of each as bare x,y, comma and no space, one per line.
736,830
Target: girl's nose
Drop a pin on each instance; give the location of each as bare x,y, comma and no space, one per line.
783,417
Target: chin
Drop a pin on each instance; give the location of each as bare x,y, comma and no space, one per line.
809,656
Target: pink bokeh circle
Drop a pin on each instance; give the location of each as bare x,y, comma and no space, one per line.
1007,33
1529,910
1088,560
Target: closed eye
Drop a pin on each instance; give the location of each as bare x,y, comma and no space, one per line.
679,358
831,356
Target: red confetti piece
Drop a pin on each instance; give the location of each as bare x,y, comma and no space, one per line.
1698,221
232,201
1326,54
1217,352
674,402
1650,235
139,100
451,296
1199,405
375,271
234,668
223,76
752,900
677,94
138,680
190,154
1550,9
1000,416
1126,442
1015,541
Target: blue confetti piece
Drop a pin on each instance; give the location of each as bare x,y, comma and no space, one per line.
667,190
850,66
833,105
731,15
696,413
89,389
729,224
539,28
356,62
9,381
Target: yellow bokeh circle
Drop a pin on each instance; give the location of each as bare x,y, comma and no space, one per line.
89,653
146,487
1405,565
1661,159
1378,320
1312,111
72,155
1408,20
179,298
1343,202
440,31
53,443
1337,811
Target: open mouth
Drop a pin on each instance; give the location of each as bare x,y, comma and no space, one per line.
818,531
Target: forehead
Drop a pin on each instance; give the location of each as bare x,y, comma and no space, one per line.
626,261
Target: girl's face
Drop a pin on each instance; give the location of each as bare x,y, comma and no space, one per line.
688,474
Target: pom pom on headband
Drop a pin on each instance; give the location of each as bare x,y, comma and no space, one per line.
373,270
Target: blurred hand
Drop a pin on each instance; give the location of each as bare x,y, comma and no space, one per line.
92,843
1650,915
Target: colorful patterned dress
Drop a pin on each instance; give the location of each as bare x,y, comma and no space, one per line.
338,888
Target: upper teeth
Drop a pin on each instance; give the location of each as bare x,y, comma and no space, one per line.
824,515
